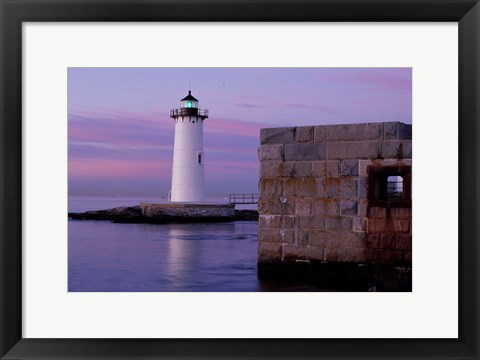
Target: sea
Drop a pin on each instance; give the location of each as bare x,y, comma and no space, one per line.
211,257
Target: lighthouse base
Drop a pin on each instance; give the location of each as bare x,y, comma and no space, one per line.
188,210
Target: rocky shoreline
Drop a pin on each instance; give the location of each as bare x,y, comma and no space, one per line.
134,215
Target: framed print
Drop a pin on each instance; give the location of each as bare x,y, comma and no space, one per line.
290,219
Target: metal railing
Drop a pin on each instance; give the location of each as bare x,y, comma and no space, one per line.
189,111
243,198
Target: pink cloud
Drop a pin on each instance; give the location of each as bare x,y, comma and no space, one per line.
125,145
109,168
225,168
119,129
233,127
124,128
391,79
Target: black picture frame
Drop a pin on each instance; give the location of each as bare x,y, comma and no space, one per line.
14,12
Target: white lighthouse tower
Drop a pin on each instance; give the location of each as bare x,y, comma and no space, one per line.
188,179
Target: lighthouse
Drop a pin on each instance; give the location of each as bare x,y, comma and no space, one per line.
188,173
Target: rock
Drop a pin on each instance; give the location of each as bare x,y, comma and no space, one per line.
133,215
246,215
109,214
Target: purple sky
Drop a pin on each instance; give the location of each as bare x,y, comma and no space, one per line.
120,135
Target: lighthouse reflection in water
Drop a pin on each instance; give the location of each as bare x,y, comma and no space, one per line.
104,256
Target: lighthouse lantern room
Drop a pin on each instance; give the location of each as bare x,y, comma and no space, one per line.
188,175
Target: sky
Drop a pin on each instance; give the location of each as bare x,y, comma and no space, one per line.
120,135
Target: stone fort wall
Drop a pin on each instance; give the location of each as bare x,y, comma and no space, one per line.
324,197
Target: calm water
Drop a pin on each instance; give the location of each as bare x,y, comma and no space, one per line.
103,256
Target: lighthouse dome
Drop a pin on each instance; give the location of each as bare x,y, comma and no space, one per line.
189,101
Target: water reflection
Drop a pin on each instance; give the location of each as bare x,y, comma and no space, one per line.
202,256
173,257
183,255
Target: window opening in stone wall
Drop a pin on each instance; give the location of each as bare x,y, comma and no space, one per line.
389,186
199,158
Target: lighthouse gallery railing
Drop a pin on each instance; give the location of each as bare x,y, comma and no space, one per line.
243,198
188,111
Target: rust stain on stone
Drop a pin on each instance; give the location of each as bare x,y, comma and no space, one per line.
321,209
400,151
